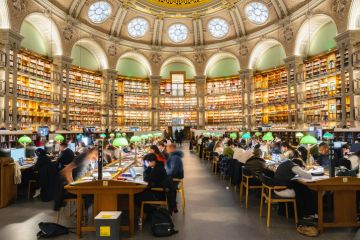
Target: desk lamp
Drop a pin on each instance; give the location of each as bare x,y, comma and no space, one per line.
103,135
144,138
135,140
299,135
233,135
309,141
112,135
257,134
246,136
24,140
268,137
119,143
59,138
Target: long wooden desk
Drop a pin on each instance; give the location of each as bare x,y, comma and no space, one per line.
345,207
105,194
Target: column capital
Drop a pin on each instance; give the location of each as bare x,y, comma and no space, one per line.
155,79
110,73
348,37
246,73
200,78
293,61
63,61
11,38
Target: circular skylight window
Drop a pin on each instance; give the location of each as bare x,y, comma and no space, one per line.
99,11
178,32
257,12
218,27
137,27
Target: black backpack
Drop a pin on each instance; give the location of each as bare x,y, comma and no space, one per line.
49,230
161,223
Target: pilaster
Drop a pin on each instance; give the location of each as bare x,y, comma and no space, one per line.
200,91
108,101
155,102
246,76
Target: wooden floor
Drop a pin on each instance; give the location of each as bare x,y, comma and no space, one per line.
213,213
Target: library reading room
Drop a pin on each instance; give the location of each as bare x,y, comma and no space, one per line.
180,119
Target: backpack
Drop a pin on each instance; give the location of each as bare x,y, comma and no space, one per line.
49,230
161,223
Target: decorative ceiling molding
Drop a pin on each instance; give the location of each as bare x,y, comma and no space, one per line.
118,21
101,35
76,7
283,7
277,9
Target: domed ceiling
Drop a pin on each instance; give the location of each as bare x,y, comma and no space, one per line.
179,23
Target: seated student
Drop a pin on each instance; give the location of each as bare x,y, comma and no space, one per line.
162,148
81,148
354,160
323,159
287,152
47,175
256,164
286,171
159,156
341,157
211,145
155,176
229,149
66,156
174,165
218,149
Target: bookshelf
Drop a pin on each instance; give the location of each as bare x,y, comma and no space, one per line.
34,89
224,102
271,98
322,89
133,103
178,118
84,98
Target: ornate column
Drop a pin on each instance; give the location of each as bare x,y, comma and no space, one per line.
293,65
201,92
155,102
246,76
10,45
109,77
63,65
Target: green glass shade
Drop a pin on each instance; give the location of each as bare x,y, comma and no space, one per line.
79,137
219,134
135,139
328,136
308,140
150,135
59,138
112,135
206,134
120,142
299,135
158,134
246,136
233,135
144,136
25,140
257,134
118,135
103,135
124,134
213,134
268,137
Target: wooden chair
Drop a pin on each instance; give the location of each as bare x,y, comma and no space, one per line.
181,190
267,193
247,183
215,163
160,203
68,202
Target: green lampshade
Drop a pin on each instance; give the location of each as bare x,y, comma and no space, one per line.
328,136
257,134
103,135
206,134
118,135
59,138
299,135
120,142
233,135
124,134
268,137
219,134
246,136
112,135
308,139
135,139
144,137
150,135
158,134
79,136
25,140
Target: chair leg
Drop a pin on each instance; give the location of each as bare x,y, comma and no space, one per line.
142,212
247,193
269,210
261,201
58,217
295,212
241,190
286,210
183,200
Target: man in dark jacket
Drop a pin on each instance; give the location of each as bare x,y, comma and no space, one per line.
256,164
174,165
66,156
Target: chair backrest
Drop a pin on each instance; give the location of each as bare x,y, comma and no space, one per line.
246,172
269,182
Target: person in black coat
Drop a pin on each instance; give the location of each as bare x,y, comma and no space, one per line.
47,175
66,156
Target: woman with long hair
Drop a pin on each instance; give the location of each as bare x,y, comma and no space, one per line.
159,156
